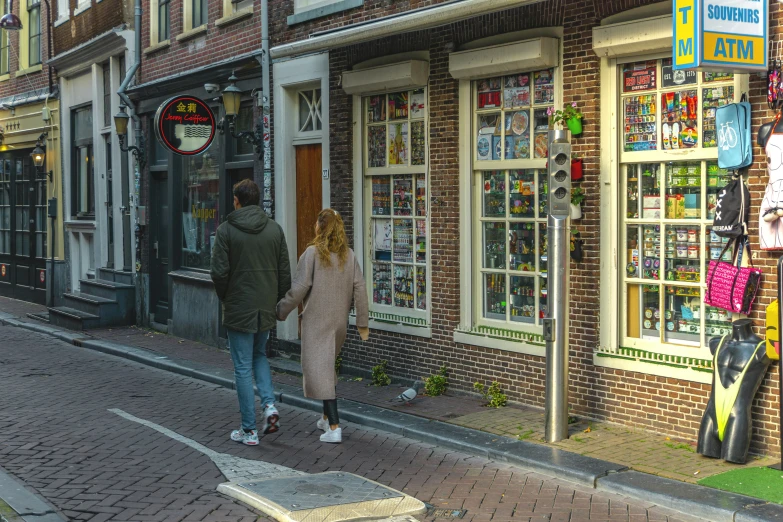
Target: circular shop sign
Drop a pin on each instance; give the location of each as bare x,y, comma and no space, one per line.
185,125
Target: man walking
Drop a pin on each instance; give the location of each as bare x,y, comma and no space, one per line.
251,273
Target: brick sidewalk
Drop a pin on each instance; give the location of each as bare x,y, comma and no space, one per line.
640,450
57,433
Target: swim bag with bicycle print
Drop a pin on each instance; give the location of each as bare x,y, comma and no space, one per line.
732,122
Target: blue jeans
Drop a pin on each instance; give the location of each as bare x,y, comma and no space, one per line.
248,351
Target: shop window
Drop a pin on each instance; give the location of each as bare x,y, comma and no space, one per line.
200,206
160,21
83,182
34,32
310,110
107,95
5,207
244,123
670,182
509,151
396,190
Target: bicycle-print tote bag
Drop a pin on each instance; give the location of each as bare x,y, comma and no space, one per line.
734,141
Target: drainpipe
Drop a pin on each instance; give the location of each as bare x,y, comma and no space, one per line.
266,94
132,72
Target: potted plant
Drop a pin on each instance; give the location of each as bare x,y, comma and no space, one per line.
570,115
577,196
577,168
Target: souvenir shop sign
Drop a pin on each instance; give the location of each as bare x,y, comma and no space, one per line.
726,35
640,77
185,125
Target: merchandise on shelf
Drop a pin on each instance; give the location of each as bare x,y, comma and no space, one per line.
712,98
382,286
403,286
421,288
640,123
679,119
403,240
380,196
403,197
496,296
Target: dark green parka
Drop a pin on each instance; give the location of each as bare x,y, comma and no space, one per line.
250,269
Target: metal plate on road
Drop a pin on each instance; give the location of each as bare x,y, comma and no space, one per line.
322,490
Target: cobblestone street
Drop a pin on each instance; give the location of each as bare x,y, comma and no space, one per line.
57,435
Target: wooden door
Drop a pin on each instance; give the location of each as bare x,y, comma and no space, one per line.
308,194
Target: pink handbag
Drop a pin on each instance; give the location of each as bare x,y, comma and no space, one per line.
732,287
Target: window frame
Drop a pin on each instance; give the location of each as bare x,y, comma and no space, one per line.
107,91
34,5
155,21
203,10
613,224
75,145
506,166
417,317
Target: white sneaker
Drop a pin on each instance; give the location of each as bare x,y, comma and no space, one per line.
322,424
249,439
333,436
271,419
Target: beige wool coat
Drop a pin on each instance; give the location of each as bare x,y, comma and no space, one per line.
327,293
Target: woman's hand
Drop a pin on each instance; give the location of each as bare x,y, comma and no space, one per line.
364,332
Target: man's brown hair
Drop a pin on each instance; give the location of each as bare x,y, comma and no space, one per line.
247,192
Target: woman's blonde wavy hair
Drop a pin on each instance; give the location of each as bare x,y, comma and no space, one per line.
330,237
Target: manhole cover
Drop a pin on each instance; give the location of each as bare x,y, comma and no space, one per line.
322,490
319,489
446,513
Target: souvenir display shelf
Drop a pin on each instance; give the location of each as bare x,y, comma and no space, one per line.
495,245
640,123
713,97
679,119
509,126
495,300
395,136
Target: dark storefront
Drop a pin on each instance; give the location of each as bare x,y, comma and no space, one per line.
22,227
188,197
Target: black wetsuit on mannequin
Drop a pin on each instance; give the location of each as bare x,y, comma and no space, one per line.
738,354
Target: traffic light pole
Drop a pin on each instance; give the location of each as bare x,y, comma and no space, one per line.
556,323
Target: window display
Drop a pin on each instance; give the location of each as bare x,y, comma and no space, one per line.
397,190
668,246
514,245
509,126
200,207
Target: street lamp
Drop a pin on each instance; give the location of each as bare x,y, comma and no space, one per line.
232,98
9,21
39,155
121,127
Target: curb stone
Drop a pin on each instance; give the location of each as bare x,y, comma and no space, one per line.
708,503
29,506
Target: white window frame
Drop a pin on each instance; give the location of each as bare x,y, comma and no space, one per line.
678,360
155,41
473,328
63,12
385,317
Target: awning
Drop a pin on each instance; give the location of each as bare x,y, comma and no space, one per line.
96,50
653,35
407,22
530,55
394,77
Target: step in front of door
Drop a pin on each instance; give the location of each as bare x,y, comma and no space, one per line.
72,319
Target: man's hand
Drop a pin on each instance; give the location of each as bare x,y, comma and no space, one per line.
364,333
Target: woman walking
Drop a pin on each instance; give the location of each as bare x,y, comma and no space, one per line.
328,278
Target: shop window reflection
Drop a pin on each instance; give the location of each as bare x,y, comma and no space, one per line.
200,207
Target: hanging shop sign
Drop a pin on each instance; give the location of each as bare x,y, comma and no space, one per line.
185,125
726,35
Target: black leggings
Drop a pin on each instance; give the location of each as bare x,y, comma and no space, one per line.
330,410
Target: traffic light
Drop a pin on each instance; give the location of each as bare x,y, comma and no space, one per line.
559,170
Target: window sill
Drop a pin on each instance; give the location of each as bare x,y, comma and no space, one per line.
247,12
5,77
692,369
29,70
80,10
157,47
387,324
325,10
61,21
192,33
499,339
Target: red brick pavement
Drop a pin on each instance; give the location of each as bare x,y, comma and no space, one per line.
57,435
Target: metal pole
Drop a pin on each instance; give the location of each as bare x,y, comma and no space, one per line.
557,349
556,324
780,359
266,96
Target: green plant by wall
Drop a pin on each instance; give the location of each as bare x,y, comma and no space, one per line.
493,395
379,377
435,385
338,364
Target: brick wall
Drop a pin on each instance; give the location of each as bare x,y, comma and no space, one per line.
218,43
98,19
660,404
32,81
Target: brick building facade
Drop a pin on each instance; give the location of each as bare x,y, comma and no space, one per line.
662,388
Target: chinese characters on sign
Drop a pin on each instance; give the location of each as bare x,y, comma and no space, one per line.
185,125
